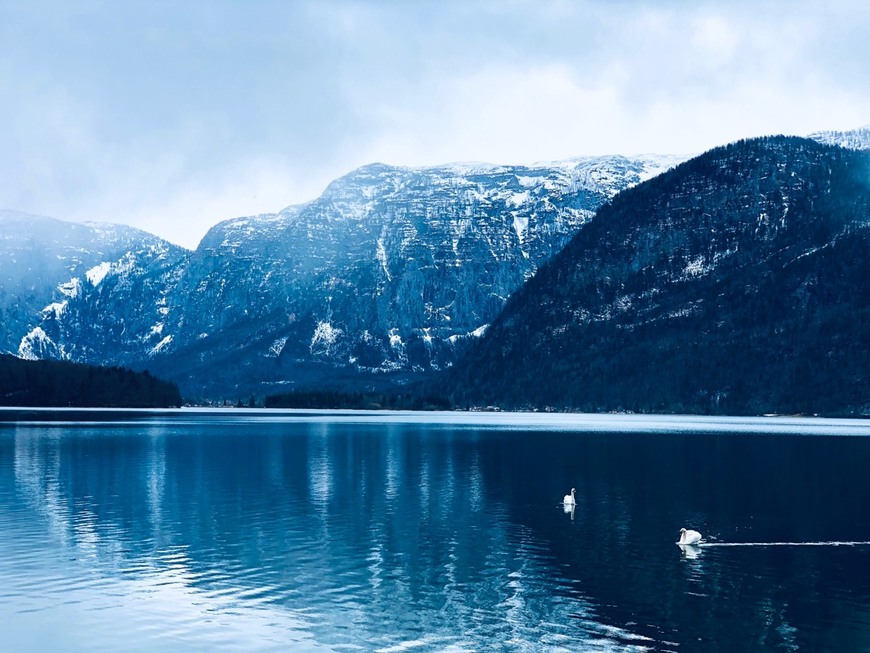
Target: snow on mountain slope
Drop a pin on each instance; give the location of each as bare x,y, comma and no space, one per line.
59,284
385,276
855,139
389,272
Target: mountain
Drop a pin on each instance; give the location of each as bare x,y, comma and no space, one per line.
384,276
47,265
380,280
855,139
737,282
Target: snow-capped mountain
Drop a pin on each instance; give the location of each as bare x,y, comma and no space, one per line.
386,275
382,278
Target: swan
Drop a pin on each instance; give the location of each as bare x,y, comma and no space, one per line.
569,499
689,536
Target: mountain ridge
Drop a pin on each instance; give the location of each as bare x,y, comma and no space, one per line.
854,139
383,279
379,280
723,285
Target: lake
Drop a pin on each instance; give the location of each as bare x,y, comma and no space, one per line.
252,530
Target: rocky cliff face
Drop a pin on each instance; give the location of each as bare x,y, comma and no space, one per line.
737,282
383,278
53,299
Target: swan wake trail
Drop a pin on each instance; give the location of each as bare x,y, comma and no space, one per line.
706,544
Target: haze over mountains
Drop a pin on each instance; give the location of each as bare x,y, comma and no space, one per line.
46,263
391,273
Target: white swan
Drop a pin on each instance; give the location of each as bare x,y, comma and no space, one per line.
689,536
569,499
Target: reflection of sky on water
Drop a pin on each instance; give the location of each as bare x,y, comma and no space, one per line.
174,540
328,535
455,420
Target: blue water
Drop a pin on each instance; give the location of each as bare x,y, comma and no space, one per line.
255,531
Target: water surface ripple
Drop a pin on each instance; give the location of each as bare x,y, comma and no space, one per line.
304,531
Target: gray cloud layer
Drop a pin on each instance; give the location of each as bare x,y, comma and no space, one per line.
173,116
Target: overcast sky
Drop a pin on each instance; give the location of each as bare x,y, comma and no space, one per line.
172,116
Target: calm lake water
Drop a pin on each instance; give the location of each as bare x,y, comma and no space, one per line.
252,530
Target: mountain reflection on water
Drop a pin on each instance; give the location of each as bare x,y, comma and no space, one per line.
283,534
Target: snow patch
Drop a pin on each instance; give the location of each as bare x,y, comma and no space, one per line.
276,347
695,268
530,182
58,308
71,288
127,263
467,168
160,346
656,164
856,139
477,333
97,273
324,336
398,346
518,199
521,226
382,257
37,345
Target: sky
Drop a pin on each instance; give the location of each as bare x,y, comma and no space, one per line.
173,116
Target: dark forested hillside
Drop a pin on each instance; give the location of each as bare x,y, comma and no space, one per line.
734,283
61,383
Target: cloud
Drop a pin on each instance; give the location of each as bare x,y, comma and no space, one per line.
174,117
676,79
183,210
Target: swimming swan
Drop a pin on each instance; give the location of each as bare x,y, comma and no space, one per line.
689,537
569,499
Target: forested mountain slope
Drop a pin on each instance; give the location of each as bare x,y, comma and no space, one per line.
63,383
735,283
